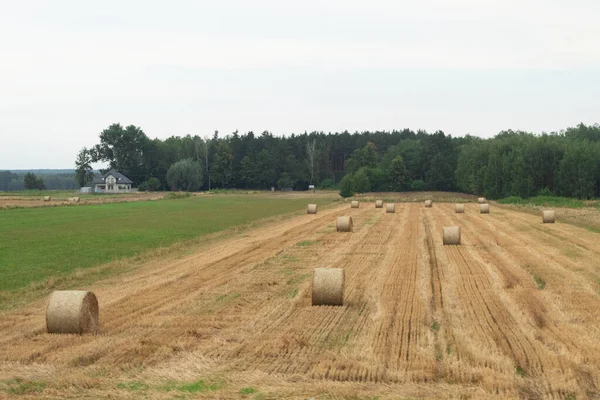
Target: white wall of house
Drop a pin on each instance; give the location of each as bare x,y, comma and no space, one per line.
111,185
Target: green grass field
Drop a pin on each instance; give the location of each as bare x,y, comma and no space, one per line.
38,243
547,201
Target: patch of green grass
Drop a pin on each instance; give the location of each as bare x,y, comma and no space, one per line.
38,243
227,297
544,201
197,387
134,386
520,371
247,390
572,253
306,243
22,387
592,229
293,293
290,259
371,220
193,387
336,340
297,279
448,350
541,284
177,195
435,326
328,396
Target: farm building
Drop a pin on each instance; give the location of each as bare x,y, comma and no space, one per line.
112,182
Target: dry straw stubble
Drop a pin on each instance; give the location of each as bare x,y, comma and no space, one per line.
459,208
548,217
72,311
328,287
311,209
354,204
390,208
452,235
344,224
484,208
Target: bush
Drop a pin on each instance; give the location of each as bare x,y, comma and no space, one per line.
347,186
511,200
151,185
417,185
177,195
327,183
185,175
545,192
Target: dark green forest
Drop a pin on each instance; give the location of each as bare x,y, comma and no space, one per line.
512,163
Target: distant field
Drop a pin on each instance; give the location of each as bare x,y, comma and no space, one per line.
548,201
59,194
40,242
39,193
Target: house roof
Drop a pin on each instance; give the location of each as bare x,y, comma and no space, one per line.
121,179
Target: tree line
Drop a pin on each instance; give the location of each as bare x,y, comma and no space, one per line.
37,179
513,163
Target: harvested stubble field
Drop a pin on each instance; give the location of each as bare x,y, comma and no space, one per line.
514,312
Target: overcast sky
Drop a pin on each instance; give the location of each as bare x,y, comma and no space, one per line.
70,68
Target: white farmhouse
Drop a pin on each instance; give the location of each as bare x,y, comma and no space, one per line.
112,182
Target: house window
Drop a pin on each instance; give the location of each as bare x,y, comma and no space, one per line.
111,187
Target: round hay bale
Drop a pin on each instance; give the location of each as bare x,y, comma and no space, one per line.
354,204
73,199
459,208
548,217
452,235
428,203
344,224
379,204
328,287
72,311
484,208
47,198
390,208
481,200
311,209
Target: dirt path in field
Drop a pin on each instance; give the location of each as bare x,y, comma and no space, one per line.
420,319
